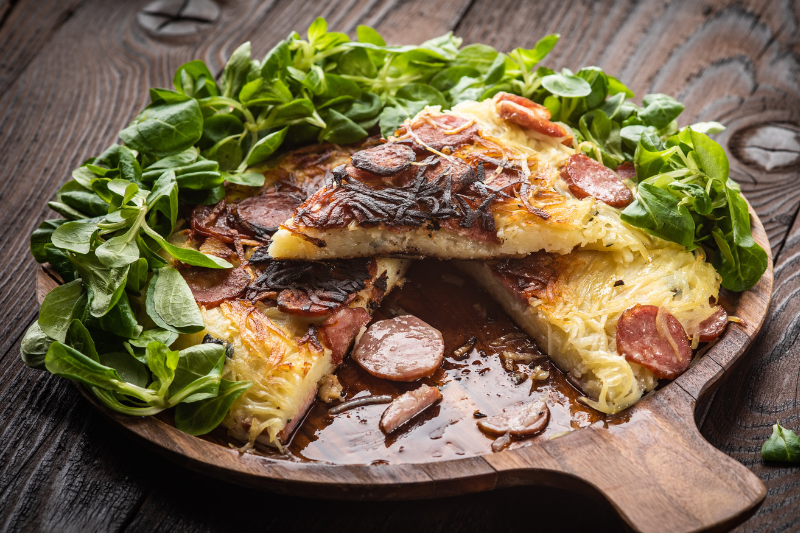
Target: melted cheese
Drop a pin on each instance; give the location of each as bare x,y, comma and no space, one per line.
267,351
576,322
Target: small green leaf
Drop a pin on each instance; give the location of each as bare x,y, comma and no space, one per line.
782,446
75,236
265,147
33,347
170,303
59,307
201,417
567,86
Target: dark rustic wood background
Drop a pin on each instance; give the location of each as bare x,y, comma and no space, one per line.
74,72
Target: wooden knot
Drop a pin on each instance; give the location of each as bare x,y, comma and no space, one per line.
178,18
768,146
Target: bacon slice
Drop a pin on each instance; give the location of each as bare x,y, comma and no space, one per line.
524,421
529,115
713,326
587,177
339,330
651,337
403,348
210,286
407,406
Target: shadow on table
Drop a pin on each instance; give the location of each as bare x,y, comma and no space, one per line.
192,502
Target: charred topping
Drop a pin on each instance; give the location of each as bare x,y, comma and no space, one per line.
208,339
619,283
313,288
260,255
478,414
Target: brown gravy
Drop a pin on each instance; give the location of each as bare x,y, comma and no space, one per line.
448,300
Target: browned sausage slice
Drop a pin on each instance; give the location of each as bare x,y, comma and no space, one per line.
587,177
407,406
538,109
211,286
527,420
713,326
442,131
339,330
384,160
262,214
651,337
626,171
529,115
400,349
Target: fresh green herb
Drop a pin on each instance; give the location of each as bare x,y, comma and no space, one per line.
782,446
112,245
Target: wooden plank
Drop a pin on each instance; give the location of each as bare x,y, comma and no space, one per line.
762,390
199,506
25,29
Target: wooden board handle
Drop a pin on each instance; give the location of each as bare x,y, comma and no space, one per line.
657,471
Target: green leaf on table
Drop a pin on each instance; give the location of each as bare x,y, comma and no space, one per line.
60,307
659,213
33,347
165,129
105,285
199,418
170,303
659,110
566,85
248,179
782,446
198,373
75,236
340,129
78,337
196,69
189,256
234,75
128,367
162,362
41,238
265,147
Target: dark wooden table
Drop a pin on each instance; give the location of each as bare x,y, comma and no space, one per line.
73,72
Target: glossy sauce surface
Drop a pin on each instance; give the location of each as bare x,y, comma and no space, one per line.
481,382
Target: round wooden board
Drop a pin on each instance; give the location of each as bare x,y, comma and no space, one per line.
657,471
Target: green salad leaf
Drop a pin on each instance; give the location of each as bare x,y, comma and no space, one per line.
782,446
123,305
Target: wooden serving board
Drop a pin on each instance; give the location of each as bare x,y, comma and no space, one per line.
655,469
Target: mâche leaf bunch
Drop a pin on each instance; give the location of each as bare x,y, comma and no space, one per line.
122,306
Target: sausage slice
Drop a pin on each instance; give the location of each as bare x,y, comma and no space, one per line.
211,286
651,337
407,406
587,177
626,171
400,349
713,326
524,421
384,160
444,131
529,115
339,330
262,215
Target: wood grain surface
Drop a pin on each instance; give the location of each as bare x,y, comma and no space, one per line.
81,72
649,462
